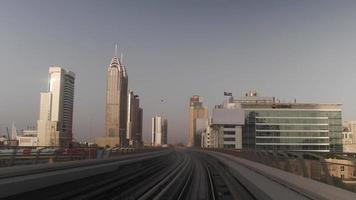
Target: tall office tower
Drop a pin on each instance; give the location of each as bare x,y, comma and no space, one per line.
164,132
159,131
56,109
116,105
196,111
134,120
140,127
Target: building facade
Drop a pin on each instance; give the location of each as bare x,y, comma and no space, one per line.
196,111
272,125
165,132
227,125
159,131
209,138
134,120
351,125
116,105
56,109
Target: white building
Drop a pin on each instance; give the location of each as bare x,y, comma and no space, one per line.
56,109
27,141
209,138
227,128
159,131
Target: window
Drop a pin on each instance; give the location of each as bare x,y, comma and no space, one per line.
229,139
229,146
229,132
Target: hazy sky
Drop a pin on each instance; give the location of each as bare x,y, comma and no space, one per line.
173,50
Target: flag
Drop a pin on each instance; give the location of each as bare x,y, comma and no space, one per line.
227,94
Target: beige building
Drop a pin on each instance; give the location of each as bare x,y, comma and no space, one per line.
343,169
56,109
116,105
351,125
348,133
196,111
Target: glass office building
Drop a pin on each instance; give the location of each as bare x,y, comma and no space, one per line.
272,125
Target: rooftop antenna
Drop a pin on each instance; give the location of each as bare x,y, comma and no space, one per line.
115,50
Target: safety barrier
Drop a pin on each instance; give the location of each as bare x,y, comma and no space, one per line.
30,155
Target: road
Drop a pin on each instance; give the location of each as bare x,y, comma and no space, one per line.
173,174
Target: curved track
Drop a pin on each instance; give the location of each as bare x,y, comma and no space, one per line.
180,174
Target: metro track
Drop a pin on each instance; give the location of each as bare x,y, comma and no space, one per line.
176,175
214,181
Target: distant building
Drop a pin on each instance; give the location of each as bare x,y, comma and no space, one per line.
56,109
29,132
201,125
28,138
272,125
27,141
196,111
159,131
348,136
209,137
134,120
227,127
116,105
351,126
165,132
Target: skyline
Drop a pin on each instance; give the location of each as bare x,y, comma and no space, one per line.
307,48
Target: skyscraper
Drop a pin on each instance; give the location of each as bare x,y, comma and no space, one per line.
159,131
164,132
116,105
56,109
196,110
134,120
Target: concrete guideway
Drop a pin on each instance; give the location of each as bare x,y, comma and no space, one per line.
171,174
278,184
20,179
8,172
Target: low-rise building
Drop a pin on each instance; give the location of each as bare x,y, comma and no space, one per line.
227,127
27,141
269,124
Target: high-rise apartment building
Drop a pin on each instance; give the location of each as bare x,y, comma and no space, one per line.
159,131
56,109
134,120
196,111
116,105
